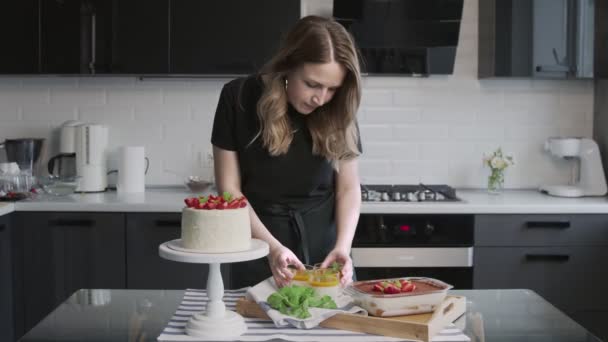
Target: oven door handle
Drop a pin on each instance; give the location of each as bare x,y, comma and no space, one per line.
413,257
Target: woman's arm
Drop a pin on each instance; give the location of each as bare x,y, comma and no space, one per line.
228,178
348,207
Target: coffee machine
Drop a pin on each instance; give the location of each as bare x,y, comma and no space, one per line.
91,142
587,175
63,165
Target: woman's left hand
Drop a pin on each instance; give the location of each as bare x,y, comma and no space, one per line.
343,258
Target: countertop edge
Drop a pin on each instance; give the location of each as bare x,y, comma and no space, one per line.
473,202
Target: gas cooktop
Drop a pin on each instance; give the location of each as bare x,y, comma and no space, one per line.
408,193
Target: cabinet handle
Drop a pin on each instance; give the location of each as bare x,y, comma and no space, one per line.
548,257
548,224
168,223
71,223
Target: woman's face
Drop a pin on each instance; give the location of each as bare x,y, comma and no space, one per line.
313,85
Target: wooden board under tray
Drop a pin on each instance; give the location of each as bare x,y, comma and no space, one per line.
419,327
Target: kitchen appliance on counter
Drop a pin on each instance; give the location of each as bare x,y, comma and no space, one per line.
63,165
91,145
587,173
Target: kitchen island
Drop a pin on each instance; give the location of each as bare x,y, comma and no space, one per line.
141,315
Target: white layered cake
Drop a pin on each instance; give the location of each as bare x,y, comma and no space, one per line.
216,231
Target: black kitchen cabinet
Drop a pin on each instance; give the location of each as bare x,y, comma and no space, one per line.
561,257
7,293
76,36
141,37
228,36
19,37
64,252
540,38
146,269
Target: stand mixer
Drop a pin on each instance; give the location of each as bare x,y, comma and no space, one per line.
588,173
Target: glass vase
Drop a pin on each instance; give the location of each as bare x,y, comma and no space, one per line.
496,181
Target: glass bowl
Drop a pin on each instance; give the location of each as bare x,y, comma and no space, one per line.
197,184
59,186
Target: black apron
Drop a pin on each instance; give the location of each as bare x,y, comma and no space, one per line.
307,228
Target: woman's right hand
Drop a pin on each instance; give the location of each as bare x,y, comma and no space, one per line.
280,258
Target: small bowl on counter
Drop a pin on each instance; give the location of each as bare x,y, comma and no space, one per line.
197,184
59,186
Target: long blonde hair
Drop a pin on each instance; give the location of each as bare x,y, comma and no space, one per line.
332,126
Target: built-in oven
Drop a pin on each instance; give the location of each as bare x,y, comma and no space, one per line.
402,245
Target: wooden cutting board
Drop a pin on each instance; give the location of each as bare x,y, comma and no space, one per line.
418,327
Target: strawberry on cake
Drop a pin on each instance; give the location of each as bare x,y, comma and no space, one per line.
216,224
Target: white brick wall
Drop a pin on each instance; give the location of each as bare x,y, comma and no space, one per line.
432,129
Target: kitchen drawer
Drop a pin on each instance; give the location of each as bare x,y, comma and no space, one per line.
541,230
571,278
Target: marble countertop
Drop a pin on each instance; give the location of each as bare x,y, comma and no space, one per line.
473,202
6,207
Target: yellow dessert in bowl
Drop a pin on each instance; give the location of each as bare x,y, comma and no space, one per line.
302,277
326,282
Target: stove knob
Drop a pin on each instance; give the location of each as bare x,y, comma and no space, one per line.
385,197
412,197
420,195
396,196
364,196
429,229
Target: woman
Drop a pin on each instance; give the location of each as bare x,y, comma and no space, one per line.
287,139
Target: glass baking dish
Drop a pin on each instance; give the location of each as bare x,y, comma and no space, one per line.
429,293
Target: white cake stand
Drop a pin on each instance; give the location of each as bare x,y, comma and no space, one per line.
216,321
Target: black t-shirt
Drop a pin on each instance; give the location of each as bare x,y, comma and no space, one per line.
295,176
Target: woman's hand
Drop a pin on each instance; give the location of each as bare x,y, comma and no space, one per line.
280,258
342,257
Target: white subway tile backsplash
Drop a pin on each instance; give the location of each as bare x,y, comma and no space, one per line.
162,113
533,133
433,129
50,113
114,115
391,150
8,112
375,133
374,97
476,132
388,115
29,95
80,96
420,133
133,96
448,115
135,133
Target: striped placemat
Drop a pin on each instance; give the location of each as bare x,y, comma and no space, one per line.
263,330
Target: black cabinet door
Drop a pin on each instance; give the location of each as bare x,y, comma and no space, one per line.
6,282
146,269
76,36
61,51
141,37
64,252
19,37
227,37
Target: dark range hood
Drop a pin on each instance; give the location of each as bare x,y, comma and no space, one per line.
403,37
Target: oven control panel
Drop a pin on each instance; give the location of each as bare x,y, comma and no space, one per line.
414,230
